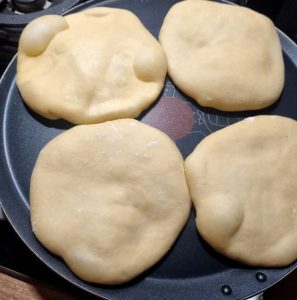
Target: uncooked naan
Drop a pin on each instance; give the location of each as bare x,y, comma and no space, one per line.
110,198
242,180
89,67
223,56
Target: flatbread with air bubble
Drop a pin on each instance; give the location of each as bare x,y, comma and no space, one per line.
242,180
97,65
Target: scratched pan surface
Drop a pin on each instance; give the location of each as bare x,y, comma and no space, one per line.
191,270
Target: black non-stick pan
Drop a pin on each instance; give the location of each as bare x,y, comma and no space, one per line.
191,269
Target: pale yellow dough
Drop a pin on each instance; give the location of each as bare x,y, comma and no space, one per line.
223,56
110,198
242,180
97,65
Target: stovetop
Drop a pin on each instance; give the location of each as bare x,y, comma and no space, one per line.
13,17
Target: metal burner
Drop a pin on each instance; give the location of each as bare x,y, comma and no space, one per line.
18,13
26,6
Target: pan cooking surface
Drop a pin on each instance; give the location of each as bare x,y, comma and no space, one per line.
191,270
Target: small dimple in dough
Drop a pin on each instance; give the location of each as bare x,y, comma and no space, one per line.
110,199
97,65
218,63
242,180
98,12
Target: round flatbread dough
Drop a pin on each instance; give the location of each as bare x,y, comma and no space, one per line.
223,56
242,180
89,67
110,199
